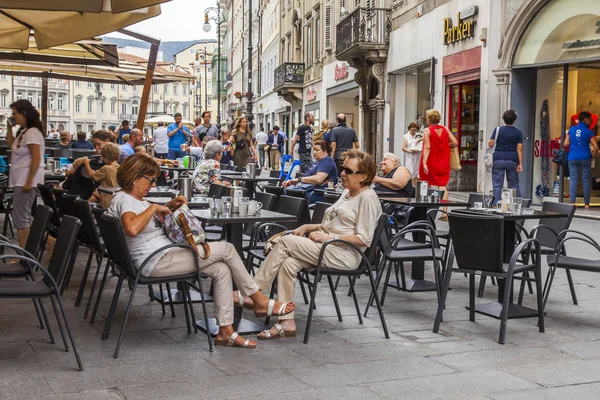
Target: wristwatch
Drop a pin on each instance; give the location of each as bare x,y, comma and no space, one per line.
299,180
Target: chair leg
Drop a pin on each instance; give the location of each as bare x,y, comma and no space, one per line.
481,285
571,286
86,272
351,282
303,290
113,306
505,306
402,276
472,295
442,302
69,332
271,296
540,301
335,300
522,287
386,282
205,312
45,316
548,284
380,272
93,289
60,328
38,313
184,300
186,287
101,289
378,304
313,295
129,303
337,282
170,296
162,298
70,267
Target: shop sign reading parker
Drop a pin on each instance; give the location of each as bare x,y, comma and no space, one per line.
464,27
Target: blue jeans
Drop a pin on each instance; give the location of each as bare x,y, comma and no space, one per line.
499,170
175,154
586,169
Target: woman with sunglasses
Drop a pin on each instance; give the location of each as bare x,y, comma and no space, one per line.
143,226
27,163
353,218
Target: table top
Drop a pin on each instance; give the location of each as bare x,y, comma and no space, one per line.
54,177
179,169
537,214
260,216
158,200
408,201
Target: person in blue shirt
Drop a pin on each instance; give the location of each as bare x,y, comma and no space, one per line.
136,138
82,142
320,173
579,139
327,136
508,154
124,130
178,135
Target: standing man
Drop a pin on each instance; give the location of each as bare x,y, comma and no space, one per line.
178,135
304,139
123,130
275,141
161,141
261,138
343,138
205,128
327,136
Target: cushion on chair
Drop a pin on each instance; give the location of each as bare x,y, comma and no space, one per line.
14,288
580,264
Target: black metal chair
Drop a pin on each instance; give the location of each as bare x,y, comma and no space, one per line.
268,200
82,153
367,266
319,212
294,206
114,240
487,257
48,285
560,259
274,190
6,209
234,168
331,197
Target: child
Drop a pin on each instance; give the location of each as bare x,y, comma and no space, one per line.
107,175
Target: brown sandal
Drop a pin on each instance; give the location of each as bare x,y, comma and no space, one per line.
232,343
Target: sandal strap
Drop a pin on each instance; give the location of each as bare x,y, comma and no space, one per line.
281,310
280,331
270,308
240,299
266,333
246,343
232,338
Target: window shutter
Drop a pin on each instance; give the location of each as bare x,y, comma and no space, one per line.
343,7
328,27
396,4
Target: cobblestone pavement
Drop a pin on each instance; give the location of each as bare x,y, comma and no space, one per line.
159,359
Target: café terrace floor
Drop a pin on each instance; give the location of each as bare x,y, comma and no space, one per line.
160,360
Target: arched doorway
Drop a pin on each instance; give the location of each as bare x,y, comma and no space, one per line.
550,63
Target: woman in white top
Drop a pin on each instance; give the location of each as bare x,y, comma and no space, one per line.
352,218
145,233
412,146
27,163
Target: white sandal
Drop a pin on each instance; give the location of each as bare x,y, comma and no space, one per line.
232,343
269,312
266,334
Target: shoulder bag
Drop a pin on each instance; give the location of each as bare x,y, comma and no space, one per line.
182,227
454,156
488,160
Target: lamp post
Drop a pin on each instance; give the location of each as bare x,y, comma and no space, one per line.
218,18
204,56
249,102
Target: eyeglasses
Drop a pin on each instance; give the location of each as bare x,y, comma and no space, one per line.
348,171
152,181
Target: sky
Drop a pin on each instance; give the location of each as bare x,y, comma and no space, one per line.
179,20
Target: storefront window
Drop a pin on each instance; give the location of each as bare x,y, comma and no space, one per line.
417,97
563,31
463,118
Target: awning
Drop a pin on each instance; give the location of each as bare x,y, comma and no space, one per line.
91,6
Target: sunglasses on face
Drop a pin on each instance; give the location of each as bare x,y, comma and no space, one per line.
152,181
348,171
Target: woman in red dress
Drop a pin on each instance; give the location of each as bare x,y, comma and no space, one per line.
435,159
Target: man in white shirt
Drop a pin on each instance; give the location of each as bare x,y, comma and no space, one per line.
261,138
161,141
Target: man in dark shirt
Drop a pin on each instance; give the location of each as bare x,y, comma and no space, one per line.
327,135
343,138
203,129
304,139
123,130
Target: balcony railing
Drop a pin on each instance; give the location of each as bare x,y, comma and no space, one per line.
289,75
364,28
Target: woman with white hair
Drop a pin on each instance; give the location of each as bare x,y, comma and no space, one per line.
396,179
208,170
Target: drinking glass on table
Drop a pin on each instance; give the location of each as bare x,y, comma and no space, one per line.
227,205
517,205
488,200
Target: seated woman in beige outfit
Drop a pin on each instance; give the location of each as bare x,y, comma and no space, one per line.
143,225
353,218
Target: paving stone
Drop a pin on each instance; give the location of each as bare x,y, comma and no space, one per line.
344,392
23,387
15,350
460,385
580,392
110,394
218,387
368,371
230,363
561,374
364,335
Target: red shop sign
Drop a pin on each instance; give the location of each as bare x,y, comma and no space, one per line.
341,71
311,93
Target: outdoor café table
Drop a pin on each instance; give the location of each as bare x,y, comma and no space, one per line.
251,182
417,282
233,231
54,177
514,310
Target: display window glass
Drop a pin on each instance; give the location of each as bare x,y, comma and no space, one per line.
463,118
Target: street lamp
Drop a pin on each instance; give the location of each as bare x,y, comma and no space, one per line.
218,18
204,56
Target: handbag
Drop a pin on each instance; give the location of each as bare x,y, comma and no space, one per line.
488,159
455,160
273,240
182,227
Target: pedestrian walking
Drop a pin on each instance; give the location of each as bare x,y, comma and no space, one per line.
412,147
343,138
261,138
303,138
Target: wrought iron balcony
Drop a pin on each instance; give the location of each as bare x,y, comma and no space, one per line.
289,76
364,35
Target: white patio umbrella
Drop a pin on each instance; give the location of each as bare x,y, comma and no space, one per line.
92,6
166,119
